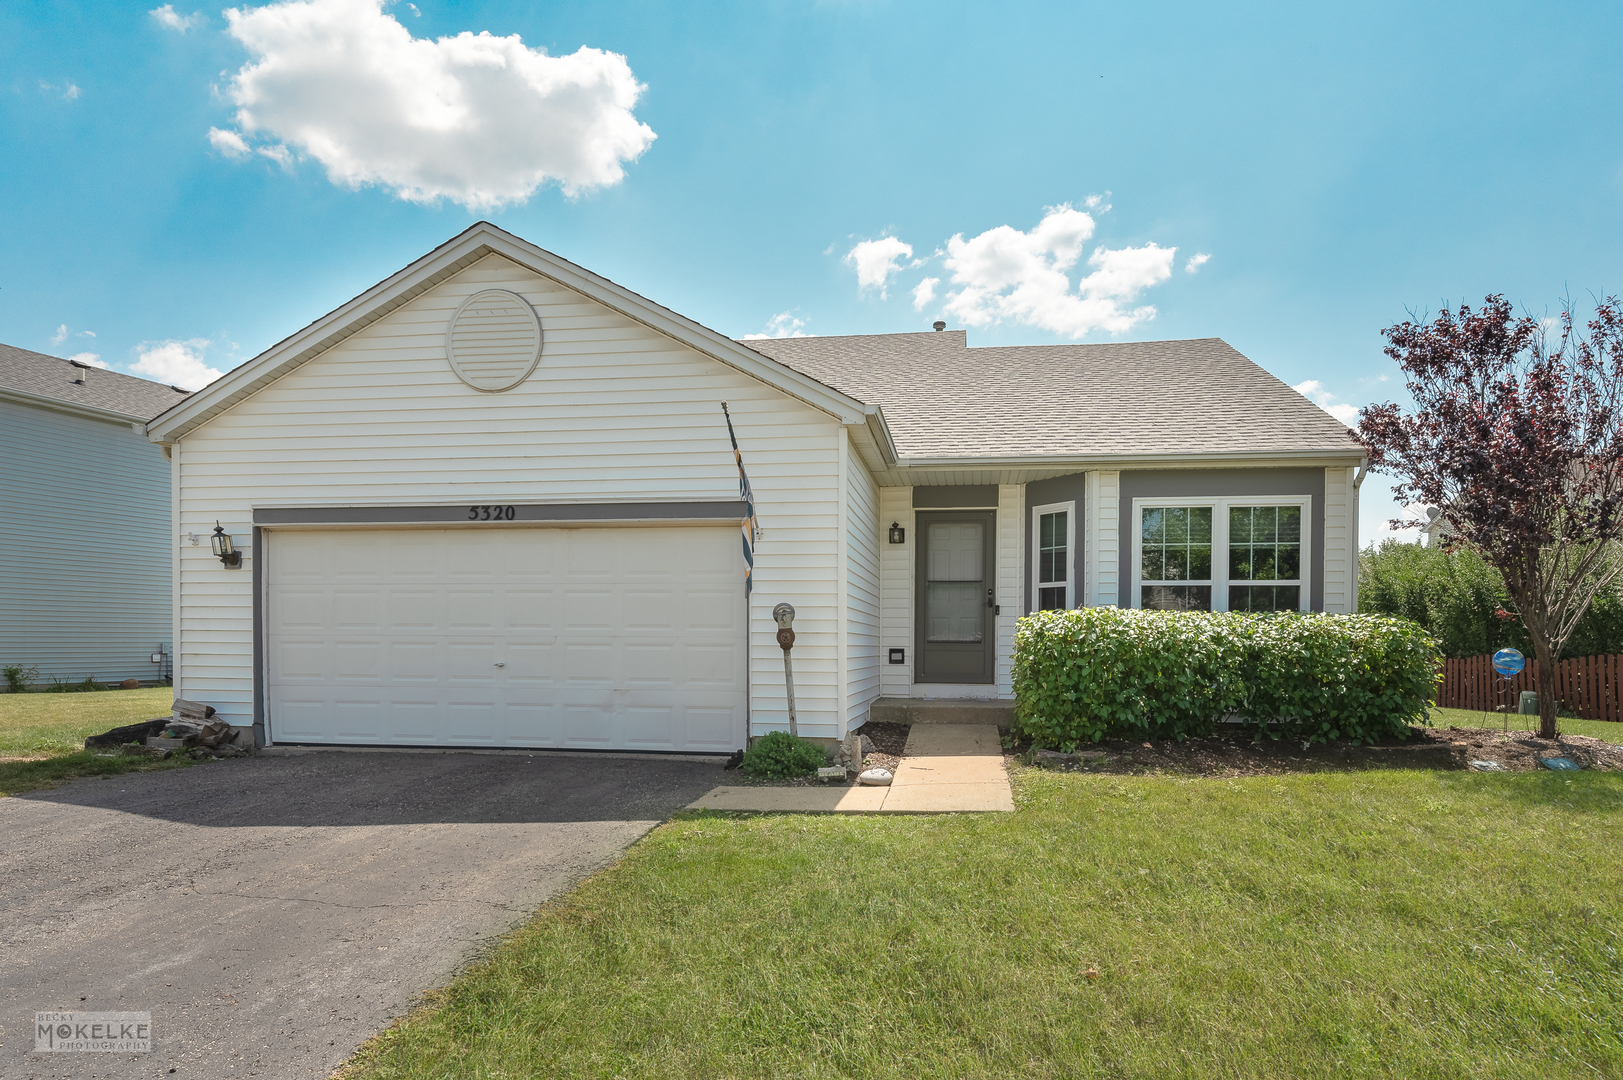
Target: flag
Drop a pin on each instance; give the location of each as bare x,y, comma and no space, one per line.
748,496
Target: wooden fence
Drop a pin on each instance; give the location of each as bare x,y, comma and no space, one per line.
1591,686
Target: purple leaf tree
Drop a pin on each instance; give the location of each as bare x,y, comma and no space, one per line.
1517,435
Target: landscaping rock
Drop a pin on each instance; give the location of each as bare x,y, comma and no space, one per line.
876,778
832,772
1488,766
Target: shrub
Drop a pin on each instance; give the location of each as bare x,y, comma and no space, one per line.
780,755
1455,595
1084,674
18,677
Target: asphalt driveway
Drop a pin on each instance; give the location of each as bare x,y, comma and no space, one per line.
273,913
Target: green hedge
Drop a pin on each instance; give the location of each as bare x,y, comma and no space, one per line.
1083,675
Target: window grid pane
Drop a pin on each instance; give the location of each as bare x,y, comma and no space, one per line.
1176,545
1053,550
1265,544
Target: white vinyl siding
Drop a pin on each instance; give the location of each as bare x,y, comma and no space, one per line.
862,545
1340,557
614,412
896,591
84,550
1103,524
1011,578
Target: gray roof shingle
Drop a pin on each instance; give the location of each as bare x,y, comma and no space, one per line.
52,377
943,399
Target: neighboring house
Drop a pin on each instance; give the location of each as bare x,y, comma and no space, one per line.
492,502
85,574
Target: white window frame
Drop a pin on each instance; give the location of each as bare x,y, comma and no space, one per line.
1037,513
1220,542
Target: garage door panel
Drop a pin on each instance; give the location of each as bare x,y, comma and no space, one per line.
608,638
414,609
358,661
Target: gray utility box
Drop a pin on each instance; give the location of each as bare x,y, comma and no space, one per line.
1527,704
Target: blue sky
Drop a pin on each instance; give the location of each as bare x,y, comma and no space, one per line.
1336,165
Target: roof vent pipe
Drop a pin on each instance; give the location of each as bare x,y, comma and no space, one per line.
81,373
939,325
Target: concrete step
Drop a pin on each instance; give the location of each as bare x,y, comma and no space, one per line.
941,711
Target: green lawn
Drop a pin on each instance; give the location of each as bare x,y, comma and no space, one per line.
1598,729
43,735
1391,924
40,725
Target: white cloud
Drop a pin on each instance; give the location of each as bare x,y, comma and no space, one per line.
477,119
1315,392
783,324
1196,262
277,153
61,335
414,10
1024,276
71,93
93,359
228,143
168,17
877,261
178,363
924,292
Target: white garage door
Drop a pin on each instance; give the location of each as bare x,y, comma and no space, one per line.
606,638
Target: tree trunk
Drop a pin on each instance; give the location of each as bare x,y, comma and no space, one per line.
1546,691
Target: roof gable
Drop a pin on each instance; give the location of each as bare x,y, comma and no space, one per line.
455,255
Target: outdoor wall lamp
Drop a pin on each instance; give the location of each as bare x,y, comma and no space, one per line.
898,535
230,557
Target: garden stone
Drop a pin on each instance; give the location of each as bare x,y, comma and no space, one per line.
876,778
832,772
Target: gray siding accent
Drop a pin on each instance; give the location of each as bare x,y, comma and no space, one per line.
1220,483
458,513
84,546
956,497
1057,490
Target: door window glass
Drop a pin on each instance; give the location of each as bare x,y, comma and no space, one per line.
955,592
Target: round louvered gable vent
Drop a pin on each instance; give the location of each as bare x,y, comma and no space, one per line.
494,340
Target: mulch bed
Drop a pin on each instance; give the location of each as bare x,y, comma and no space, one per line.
1231,756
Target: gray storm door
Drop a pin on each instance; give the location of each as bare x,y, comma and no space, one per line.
955,637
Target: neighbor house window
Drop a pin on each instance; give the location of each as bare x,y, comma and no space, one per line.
1053,536
1175,564
1239,554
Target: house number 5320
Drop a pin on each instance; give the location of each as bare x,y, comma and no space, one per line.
491,513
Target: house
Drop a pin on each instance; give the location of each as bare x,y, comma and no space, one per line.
492,502
85,578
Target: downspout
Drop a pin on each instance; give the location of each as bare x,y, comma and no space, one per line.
1358,482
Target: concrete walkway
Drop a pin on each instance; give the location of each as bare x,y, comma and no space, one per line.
947,768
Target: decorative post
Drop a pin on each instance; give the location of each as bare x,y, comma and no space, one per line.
784,616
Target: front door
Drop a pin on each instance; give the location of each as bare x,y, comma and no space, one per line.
956,641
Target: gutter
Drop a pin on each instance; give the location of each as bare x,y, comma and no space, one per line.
139,423
1136,461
